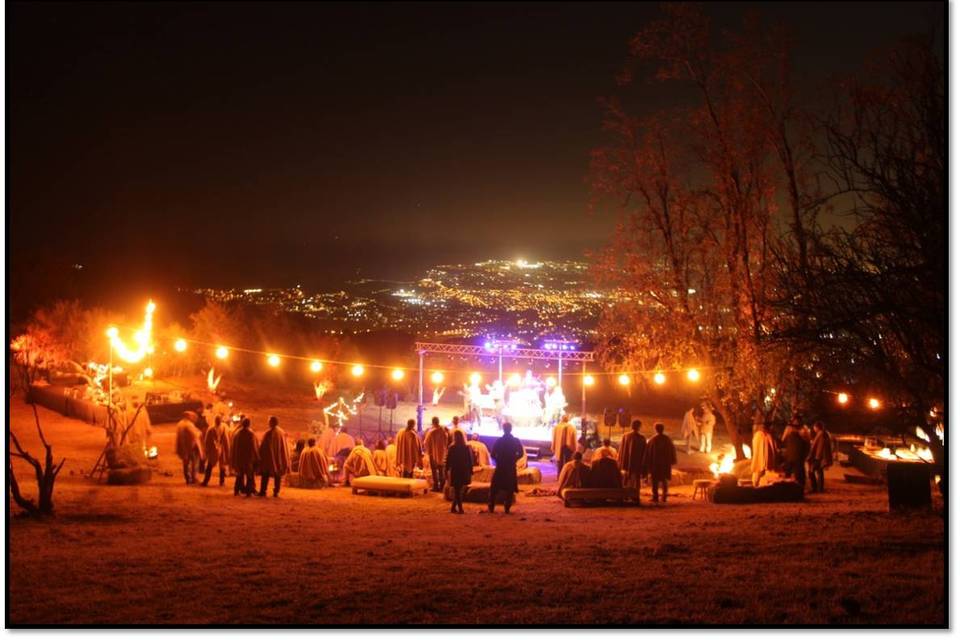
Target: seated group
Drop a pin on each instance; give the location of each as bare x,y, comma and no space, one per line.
603,472
312,462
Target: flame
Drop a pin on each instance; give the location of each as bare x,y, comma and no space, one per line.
724,464
939,432
319,389
922,435
152,452
141,337
213,383
746,452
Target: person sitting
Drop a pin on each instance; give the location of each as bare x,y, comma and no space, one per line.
584,450
481,455
359,463
391,455
522,462
314,466
343,444
606,452
297,451
605,474
380,458
574,474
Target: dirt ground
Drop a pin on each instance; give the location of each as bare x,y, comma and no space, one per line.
166,553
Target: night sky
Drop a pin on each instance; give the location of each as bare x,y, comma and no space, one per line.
271,144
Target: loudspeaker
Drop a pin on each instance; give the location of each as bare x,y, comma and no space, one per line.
609,417
623,418
392,400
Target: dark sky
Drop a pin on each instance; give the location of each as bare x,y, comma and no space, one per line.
269,144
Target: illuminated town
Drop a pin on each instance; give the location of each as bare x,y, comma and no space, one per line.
515,298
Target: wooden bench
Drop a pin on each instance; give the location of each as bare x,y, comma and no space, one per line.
383,485
599,496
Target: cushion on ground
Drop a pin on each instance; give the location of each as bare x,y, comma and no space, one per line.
294,480
478,492
530,475
584,495
777,492
385,484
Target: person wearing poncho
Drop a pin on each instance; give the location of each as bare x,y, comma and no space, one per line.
630,457
564,442
274,457
380,458
244,458
391,454
820,456
574,474
658,457
604,452
436,442
359,463
763,451
189,447
211,451
409,450
314,466
481,455
506,451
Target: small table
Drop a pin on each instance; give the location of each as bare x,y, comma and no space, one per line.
700,487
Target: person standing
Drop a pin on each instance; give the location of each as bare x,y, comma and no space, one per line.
189,447
820,456
689,427
630,457
506,451
564,442
274,457
763,451
391,454
459,465
244,458
226,438
211,450
707,421
436,442
795,450
409,450
658,457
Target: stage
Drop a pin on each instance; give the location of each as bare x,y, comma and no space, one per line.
539,437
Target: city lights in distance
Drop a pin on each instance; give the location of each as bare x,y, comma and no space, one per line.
316,366
180,345
436,377
659,377
397,374
843,398
357,370
588,380
873,403
222,352
273,360
623,379
693,375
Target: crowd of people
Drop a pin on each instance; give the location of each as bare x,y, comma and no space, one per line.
608,468
800,452
209,440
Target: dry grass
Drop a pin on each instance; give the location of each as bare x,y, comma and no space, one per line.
165,553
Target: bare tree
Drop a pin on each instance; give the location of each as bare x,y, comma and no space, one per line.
46,475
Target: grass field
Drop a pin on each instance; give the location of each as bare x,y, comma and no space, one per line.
166,553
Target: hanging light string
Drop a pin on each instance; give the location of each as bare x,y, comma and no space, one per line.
624,377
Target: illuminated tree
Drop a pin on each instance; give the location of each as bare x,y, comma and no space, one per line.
694,184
